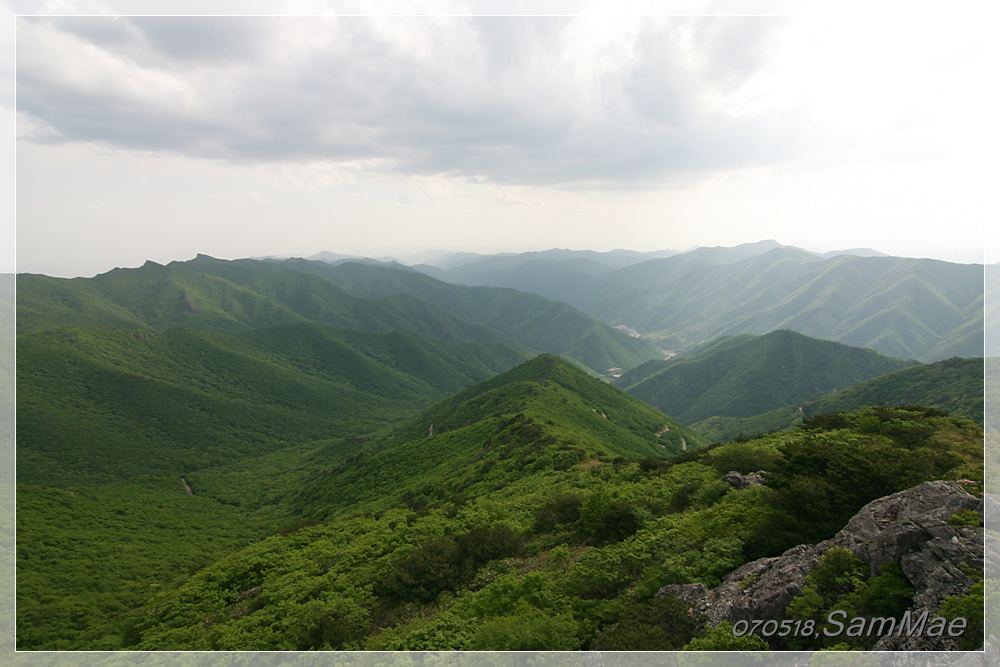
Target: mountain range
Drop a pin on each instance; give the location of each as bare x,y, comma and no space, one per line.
908,308
218,295
296,454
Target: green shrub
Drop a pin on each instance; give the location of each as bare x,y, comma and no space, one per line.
721,638
446,563
663,624
965,517
559,510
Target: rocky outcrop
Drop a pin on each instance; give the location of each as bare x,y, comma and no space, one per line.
740,482
909,528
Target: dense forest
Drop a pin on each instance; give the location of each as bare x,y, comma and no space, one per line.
292,456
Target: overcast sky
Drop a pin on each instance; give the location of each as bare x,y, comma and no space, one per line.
160,137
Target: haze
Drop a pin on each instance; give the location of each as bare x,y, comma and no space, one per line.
161,137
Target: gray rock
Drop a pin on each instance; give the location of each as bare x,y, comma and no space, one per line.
909,528
740,482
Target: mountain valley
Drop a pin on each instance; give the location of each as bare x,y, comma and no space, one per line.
292,454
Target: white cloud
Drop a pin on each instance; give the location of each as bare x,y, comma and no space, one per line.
606,131
509,100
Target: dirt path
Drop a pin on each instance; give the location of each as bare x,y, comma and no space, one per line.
187,487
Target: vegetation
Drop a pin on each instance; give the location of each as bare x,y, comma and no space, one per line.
954,386
234,296
525,520
749,375
292,455
89,555
96,405
843,583
907,308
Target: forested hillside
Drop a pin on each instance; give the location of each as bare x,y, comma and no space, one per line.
97,405
290,455
234,296
908,308
953,385
541,542
747,375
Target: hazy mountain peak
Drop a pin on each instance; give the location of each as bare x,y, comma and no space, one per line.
858,252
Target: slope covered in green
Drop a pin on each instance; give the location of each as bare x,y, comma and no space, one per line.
954,386
232,296
253,296
545,416
89,555
541,324
553,558
908,308
535,510
96,405
751,375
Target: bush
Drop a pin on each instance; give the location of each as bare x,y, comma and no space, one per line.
446,563
969,607
527,629
664,624
721,638
965,517
825,422
560,510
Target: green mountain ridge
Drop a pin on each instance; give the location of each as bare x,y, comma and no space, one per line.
523,553
748,375
907,308
103,404
543,415
163,297
953,385
233,296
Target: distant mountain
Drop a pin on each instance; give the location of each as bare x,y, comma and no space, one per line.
747,375
541,272
538,323
858,252
440,259
327,256
992,310
96,405
907,308
459,266
533,271
233,296
954,385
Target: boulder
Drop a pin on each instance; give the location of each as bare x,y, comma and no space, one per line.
739,481
909,528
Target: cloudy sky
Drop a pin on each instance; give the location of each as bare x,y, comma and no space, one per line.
158,137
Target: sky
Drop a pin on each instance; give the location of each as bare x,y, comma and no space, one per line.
435,126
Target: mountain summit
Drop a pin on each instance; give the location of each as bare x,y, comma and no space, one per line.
543,417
